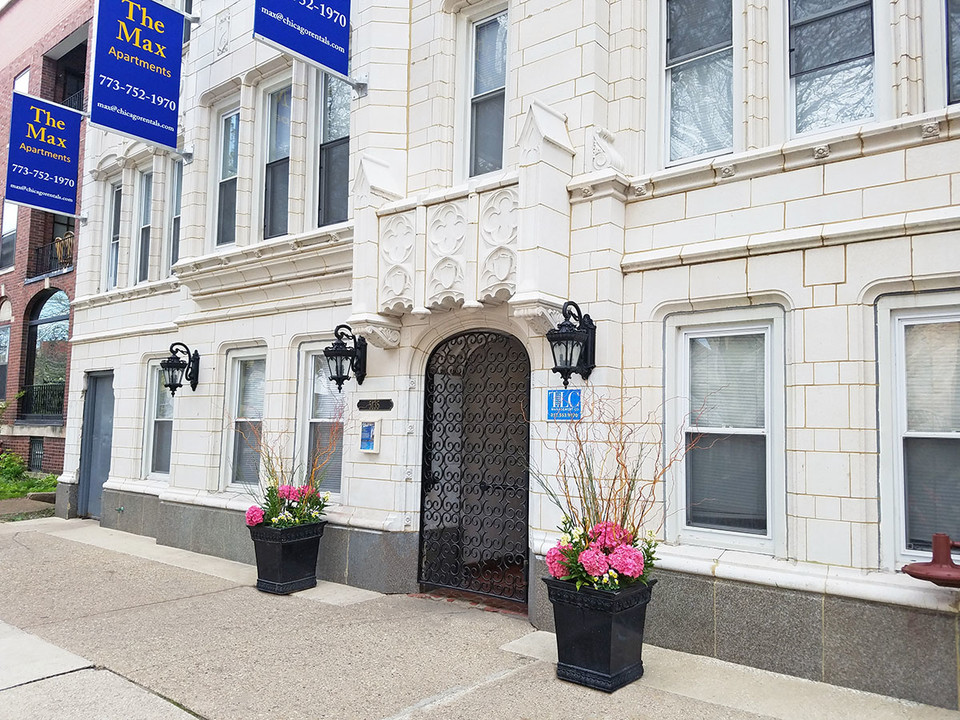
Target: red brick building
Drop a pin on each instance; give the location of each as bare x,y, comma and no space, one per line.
45,54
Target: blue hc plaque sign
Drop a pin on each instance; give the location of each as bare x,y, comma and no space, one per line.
317,32
563,405
135,83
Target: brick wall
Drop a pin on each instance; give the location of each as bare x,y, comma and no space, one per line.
34,227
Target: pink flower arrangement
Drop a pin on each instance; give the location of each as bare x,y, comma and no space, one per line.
289,492
254,515
605,556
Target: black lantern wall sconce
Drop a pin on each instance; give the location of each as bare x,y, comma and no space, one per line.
176,368
573,346
342,358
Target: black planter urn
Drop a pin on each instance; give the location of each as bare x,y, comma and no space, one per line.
287,557
599,634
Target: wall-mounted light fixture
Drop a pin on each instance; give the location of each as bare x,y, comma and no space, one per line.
341,358
573,346
175,368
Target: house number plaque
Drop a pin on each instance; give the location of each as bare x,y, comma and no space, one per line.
375,405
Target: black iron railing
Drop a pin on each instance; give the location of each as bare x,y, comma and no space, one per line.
75,101
55,257
42,400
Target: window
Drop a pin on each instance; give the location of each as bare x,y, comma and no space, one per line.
727,376
176,193
249,376
113,250
953,51
487,94
334,160
831,62
35,464
227,187
159,426
8,235
187,6
324,438
4,359
48,348
143,252
276,180
927,448
21,83
699,77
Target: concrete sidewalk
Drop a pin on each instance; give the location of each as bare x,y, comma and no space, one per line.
102,624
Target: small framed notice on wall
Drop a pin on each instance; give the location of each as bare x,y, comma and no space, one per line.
370,436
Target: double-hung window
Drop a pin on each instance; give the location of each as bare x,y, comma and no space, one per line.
699,77
227,184
4,359
277,174
488,94
113,249
8,235
831,62
176,192
159,423
143,226
727,380
249,377
324,438
953,51
927,444
334,151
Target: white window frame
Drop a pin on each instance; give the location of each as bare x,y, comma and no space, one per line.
659,9
221,114
144,212
9,221
936,74
321,123
154,382
114,227
893,313
311,352
468,19
231,398
174,228
767,320
882,75
263,153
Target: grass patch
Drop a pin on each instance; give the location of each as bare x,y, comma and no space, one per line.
46,512
20,488
15,482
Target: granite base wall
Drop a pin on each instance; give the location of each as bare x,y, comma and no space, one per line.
66,502
381,561
886,649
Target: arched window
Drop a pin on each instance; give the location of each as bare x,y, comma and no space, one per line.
48,332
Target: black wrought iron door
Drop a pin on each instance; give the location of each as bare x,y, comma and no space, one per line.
475,480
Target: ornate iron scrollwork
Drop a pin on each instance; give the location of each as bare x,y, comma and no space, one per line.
475,479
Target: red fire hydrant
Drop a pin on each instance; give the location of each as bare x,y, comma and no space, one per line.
941,570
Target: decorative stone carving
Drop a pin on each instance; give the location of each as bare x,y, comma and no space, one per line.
446,232
543,125
728,171
821,152
930,130
397,239
222,41
539,315
498,243
641,190
604,154
378,335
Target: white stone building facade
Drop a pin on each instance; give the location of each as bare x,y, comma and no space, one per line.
758,203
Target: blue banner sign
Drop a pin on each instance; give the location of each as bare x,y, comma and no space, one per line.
135,79
44,155
317,32
563,404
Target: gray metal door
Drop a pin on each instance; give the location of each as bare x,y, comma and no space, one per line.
96,442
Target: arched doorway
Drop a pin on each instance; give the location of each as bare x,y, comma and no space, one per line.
475,478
